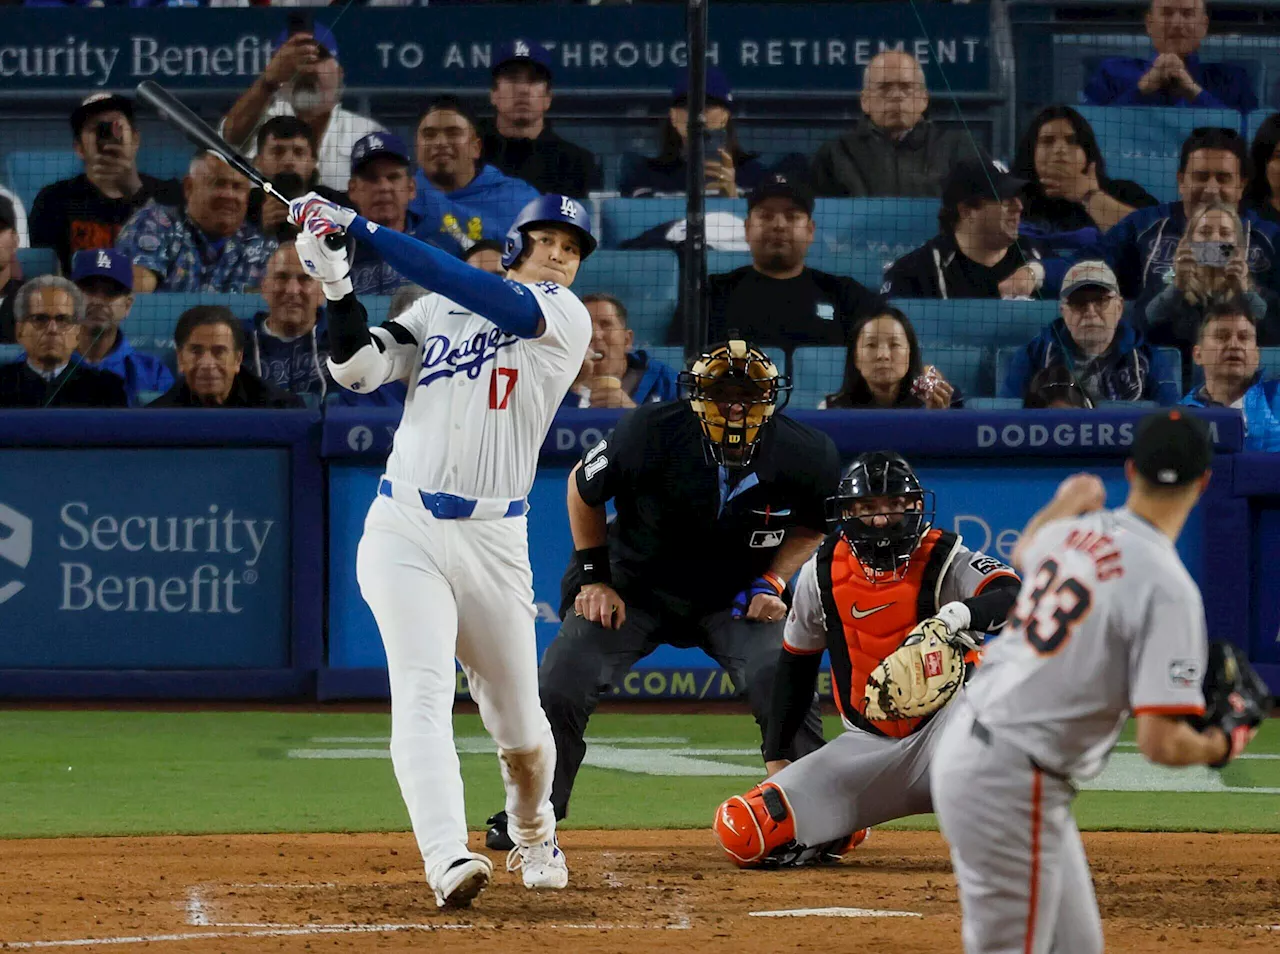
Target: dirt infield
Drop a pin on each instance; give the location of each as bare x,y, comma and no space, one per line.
630,891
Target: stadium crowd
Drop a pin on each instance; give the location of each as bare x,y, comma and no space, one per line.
1157,302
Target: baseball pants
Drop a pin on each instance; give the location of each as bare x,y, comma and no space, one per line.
859,780
1020,866
441,589
586,659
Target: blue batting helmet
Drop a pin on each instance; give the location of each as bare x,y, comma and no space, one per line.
549,209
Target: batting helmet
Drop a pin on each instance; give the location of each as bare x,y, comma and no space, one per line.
732,374
549,209
885,539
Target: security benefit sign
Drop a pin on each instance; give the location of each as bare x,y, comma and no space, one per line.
144,559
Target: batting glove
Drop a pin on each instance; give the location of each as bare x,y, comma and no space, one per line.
770,583
329,266
315,214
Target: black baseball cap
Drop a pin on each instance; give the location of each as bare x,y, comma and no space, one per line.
8,216
980,180
1172,448
99,103
778,186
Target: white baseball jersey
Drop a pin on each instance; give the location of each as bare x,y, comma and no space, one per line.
480,400
1108,622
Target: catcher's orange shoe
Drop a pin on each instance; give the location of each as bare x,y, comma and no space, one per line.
750,826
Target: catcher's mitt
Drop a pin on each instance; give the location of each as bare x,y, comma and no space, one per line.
1236,700
917,678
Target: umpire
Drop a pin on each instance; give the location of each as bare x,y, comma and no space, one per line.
719,502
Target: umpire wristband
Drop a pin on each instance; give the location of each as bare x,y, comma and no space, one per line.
593,565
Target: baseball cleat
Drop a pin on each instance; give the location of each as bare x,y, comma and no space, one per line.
462,881
496,838
541,866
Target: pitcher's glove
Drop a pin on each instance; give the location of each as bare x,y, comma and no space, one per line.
1236,699
919,677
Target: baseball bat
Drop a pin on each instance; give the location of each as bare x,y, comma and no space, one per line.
202,134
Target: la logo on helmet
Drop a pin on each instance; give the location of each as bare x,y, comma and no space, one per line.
568,207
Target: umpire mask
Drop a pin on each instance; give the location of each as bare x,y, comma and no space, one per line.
734,390
882,512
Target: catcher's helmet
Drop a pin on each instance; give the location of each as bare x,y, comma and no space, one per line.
549,210
884,549
730,374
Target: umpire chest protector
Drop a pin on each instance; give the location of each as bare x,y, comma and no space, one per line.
867,621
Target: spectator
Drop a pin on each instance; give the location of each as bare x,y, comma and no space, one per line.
287,344
210,345
1175,316
486,255
619,376
19,216
777,299
105,278
978,252
518,140
729,168
381,189
1228,352
1213,167
884,369
1054,388
9,280
1263,194
892,150
89,210
1069,201
208,246
303,79
285,154
1104,354
460,200
1173,75
49,311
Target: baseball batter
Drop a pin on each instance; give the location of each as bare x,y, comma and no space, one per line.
894,600
444,560
1108,622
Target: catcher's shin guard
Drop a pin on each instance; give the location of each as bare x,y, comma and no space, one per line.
750,826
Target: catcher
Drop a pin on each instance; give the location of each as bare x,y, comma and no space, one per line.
899,605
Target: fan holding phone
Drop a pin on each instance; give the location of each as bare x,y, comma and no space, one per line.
1210,263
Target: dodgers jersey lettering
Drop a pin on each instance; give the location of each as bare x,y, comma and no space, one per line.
1108,621
480,400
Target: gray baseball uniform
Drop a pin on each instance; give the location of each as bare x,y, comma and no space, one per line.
864,778
1108,622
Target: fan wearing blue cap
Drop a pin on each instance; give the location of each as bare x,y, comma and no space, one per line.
519,140
105,276
381,188
303,78
730,170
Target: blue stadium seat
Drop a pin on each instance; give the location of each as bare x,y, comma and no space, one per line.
647,282
817,373
37,261
720,262
1173,366
11,352
965,366
377,307
1270,362
27,172
151,322
864,265
166,162
992,404
868,225
977,322
623,219
672,356
1142,143
1004,357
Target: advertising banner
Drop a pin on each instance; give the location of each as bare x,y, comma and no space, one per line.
144,559
812,46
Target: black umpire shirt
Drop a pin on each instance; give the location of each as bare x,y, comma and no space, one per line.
814,308
674,548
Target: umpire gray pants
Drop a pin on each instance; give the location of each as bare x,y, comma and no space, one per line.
859,780
585,659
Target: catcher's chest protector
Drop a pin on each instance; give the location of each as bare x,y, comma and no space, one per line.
874,619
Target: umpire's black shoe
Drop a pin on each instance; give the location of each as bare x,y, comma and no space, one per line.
496,838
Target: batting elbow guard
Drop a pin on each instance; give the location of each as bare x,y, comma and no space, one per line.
770,583
364,371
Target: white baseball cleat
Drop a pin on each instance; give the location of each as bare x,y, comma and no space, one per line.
459,882
541,866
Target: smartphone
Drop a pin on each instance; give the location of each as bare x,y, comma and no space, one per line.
109,132
300,22
1215,254
714,140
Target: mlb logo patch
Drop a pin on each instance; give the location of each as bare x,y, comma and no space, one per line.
1184,673
766,538
826,311
933,664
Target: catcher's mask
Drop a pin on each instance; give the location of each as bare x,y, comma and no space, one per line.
883,537
734,390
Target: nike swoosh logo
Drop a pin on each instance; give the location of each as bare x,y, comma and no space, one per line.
452,312
863,614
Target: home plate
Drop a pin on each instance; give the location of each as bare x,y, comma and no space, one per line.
835,913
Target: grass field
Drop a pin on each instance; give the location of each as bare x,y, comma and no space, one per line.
116,772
